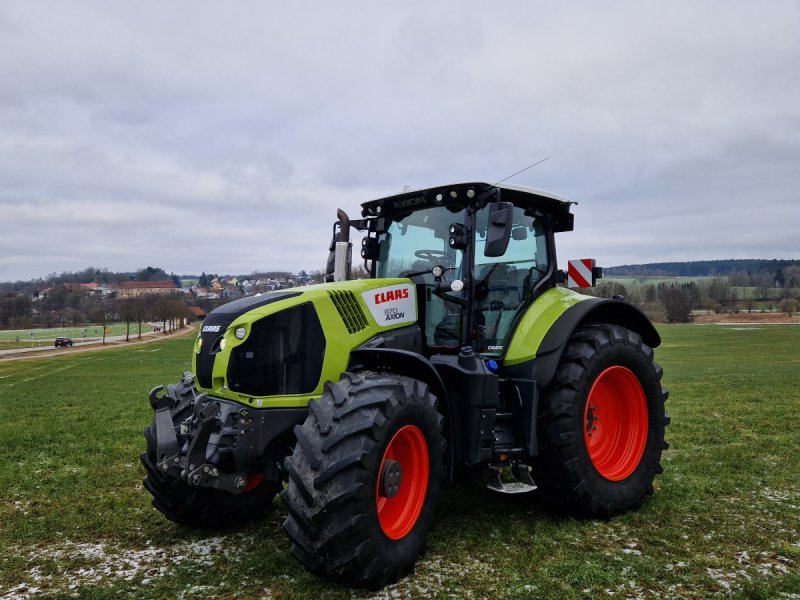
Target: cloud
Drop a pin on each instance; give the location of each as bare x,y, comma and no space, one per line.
132,135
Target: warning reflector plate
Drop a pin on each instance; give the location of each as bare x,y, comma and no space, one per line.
580,273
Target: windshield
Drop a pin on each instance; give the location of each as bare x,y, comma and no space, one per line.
419,241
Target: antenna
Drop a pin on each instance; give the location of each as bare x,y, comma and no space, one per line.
520,171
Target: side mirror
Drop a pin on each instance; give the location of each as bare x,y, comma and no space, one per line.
498,231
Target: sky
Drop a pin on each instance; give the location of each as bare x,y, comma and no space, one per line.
222,136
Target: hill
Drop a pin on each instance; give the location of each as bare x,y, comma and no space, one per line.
701,268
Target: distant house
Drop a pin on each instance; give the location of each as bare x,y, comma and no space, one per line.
103,291
41,293
198,313
134,289
80,286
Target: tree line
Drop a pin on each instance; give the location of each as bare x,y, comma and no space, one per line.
674,302
65,307
702,268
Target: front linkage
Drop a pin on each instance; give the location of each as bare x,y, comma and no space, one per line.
214,444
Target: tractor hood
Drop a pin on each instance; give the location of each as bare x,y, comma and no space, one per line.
278,349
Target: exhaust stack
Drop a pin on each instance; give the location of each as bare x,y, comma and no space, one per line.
343,250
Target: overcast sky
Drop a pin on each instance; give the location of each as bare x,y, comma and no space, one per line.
223,136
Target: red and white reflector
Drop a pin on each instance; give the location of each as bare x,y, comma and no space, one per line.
580,273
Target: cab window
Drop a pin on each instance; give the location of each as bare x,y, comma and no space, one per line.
504,283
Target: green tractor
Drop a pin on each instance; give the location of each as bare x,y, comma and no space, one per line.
359,400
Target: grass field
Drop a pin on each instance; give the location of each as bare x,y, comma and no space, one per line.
77,333
725,519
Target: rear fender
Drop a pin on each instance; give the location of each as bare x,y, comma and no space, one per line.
617,312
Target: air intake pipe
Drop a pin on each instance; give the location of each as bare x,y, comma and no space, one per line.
343,250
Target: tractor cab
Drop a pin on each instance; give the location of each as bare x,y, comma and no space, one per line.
479,254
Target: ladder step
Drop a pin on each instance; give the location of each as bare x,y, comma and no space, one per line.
515,487
521,484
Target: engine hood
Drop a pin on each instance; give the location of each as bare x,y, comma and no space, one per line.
291,342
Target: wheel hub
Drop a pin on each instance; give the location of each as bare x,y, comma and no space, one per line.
591,418
390,479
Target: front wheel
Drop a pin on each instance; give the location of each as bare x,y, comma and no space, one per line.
602,425
364,479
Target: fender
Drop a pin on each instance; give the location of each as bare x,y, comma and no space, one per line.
416,366
595,310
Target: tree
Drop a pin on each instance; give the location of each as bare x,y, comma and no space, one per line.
170,310
779,278
141,312
162,311
609,289
128,311
101,316
789,306
151,274
71,315
677,304
15,311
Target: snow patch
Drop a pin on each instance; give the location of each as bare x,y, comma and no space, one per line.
107,563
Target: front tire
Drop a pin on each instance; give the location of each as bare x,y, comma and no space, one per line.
364,479
602,425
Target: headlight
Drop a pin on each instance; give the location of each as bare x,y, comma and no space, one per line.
222,343
239,333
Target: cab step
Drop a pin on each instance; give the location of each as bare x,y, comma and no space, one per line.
521,476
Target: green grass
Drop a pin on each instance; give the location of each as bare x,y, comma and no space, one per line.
77,333
725,518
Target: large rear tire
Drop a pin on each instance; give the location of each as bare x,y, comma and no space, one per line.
602,424
364,479
197,507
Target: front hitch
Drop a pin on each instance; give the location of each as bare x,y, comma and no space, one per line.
216,443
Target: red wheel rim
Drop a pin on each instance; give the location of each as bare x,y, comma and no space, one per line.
615,423
252,482
398,514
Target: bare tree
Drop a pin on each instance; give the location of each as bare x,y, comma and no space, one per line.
789,306
128,311
101,316
609,289
677,304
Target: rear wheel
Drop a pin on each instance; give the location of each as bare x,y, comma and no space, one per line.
364,479
202,508
602,425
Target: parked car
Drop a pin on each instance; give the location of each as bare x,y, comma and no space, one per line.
63,342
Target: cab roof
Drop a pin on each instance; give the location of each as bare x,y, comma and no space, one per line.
557,207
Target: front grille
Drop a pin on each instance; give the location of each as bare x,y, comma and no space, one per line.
349,310
217,322
282,355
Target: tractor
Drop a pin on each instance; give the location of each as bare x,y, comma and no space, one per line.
463,354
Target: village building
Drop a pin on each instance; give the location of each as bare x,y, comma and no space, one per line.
135,289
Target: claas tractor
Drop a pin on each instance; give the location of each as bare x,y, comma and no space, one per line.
463,354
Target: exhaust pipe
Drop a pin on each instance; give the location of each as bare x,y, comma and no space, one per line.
343,250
